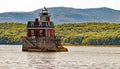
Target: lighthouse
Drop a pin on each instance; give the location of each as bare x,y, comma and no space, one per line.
41,35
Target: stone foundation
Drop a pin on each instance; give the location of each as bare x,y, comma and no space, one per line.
42,44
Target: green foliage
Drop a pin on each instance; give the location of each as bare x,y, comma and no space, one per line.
92,33
10,33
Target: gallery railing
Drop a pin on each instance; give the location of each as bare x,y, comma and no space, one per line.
37,26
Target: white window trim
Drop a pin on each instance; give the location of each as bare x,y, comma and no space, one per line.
32,32
40,23
41,32
32,23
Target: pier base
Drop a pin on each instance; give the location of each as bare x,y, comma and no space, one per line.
42,44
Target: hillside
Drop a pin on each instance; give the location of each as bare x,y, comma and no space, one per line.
65,15
97,33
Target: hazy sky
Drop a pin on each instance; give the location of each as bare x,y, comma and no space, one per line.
31,5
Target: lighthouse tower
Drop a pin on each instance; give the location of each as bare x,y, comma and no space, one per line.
41,35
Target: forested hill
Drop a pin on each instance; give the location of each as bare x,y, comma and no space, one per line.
65,14
71,33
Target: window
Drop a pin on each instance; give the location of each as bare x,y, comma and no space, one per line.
44,18
49,24
32,32
52,25
49,33
41,32
40,24
29,24
44,24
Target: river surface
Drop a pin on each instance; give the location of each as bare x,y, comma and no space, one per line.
11,57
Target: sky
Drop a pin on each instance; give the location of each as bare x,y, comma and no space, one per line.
31,5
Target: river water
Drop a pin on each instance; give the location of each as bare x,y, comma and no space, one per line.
11,57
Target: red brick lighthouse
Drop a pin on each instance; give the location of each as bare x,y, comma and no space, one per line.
42,28
41,35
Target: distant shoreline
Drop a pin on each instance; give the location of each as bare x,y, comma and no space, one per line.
10,44
98,46
79,45
94,45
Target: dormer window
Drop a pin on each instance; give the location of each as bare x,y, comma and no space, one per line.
40,24
52,25
47,24
29,24
32,23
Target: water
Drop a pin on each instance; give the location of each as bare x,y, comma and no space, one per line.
11,57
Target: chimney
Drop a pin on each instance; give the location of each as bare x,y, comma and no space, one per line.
36,21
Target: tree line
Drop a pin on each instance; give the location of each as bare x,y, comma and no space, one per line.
87,33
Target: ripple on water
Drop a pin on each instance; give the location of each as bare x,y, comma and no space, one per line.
11,57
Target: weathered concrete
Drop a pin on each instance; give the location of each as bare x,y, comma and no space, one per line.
42,44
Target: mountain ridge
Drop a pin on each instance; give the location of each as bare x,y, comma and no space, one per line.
65,15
